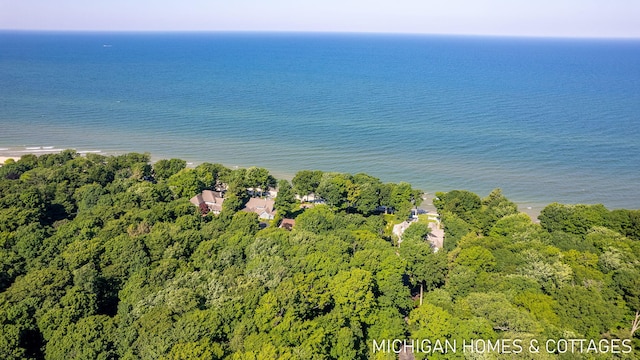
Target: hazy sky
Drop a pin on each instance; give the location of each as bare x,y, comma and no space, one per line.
584,18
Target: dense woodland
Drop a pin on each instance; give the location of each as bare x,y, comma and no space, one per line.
103,257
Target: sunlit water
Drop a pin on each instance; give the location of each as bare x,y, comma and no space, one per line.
545,120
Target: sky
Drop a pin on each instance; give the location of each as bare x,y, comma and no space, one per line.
554,18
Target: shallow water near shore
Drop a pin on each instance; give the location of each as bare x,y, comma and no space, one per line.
544,119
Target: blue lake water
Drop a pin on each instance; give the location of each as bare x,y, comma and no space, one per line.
544,119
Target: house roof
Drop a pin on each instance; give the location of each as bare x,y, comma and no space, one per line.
197,200
211,196
213,200
260,206
287,224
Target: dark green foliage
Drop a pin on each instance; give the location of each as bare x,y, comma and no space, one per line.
99,260
495,207
423,265
317,220
285,202
306,182
359,193
626,222
164,169
573,219
454,228
402,197
586,311
259,178
333,189
461,203
186,183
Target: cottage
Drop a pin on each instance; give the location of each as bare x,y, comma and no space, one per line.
287,224
263,207
208,201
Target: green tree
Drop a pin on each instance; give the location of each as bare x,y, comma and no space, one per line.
186,183
464,204
212,174
353,294
515,226
259,178
203,349
426,269
495,207
476,258
430,322
496,308
574,219
333,189
285,201
403,198
369,193
317,220
306,182
164,169
585,311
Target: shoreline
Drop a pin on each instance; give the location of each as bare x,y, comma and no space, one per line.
532,209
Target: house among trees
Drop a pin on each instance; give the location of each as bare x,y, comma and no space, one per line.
287,224
263,207
399,229
208,201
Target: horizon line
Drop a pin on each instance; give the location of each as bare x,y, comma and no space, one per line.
320,32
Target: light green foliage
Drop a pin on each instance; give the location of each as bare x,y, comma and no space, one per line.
430,322
353,293
211,174
517,227
402,197
196,350
550,275
461,280
416,232
387,323
542,307
140,170
345,345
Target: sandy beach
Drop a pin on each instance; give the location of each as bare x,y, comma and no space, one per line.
5,158
16,153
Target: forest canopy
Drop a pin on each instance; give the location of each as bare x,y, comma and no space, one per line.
104,257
